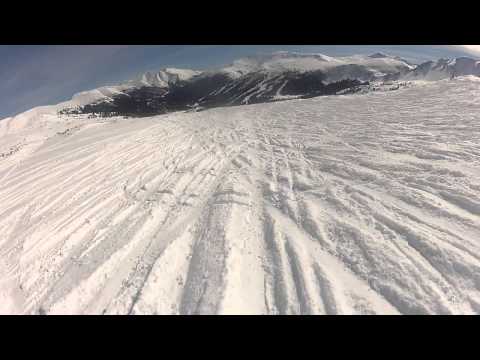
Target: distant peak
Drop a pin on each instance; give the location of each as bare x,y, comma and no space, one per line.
379,55
165,76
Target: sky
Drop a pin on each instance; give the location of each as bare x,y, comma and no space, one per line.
34,75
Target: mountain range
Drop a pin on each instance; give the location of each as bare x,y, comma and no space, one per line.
258,79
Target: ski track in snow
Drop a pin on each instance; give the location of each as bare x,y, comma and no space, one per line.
356,204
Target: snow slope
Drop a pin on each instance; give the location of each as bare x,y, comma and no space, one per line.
354,204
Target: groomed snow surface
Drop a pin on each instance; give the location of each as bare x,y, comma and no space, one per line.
356,204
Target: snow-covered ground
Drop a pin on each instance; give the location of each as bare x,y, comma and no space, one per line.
333,205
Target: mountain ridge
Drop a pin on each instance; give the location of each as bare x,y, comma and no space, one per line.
261,78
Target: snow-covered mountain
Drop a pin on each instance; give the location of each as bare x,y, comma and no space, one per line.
277,76
273,77
359,67
444,69
354,204
264,78
165,77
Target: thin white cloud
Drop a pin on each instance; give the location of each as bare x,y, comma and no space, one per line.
472,49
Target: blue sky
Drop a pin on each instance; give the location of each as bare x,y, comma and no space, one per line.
33,75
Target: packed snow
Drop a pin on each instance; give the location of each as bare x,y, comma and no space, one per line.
351,204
